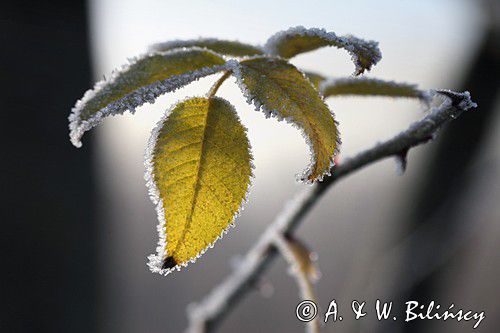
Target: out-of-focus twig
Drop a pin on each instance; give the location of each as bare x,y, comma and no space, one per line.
300,264
205,315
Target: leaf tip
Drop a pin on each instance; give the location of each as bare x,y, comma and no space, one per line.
161,266
166,260
76,143
169,263
75,133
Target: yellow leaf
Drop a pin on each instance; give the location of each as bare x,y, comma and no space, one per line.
315,78
373,87
199,170
228,47
293,41
140,82
281,90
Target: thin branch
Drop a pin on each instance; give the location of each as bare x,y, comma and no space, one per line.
300,274
205,315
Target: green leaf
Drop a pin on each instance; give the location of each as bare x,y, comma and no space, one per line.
141,82
227,47
198,171
293,41
315,78
373,87
282,91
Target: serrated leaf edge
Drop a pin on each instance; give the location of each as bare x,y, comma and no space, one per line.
347,42
155,261
138,97
260,107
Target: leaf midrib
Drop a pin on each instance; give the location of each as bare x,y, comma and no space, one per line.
197,184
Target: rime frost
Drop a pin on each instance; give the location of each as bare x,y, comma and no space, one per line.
140,96
460,100
251,267
375,87
155,261
219,296
360,50
261,107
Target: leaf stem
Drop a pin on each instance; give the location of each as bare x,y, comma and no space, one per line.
217,84
209,312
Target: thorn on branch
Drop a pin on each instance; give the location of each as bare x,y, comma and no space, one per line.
459,100
402,161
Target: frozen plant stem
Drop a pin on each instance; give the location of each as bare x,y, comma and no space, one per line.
217,84
205,315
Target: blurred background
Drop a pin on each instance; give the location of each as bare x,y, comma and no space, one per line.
77,225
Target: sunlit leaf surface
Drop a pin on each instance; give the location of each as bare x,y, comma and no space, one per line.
282,91
199,171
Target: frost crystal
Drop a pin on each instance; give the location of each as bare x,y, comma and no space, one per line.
155,261
364,54
140,96
461,100
261,107
218,297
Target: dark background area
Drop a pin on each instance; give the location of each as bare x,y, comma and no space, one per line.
48,237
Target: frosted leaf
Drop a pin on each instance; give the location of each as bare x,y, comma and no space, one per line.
315,78
198,171
227,47
371,87
140,82
279,89
298,40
